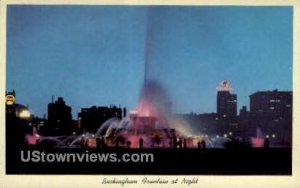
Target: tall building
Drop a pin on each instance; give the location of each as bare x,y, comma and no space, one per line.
226,104
18,125
271,111
226,101
59,118
226,107
243,120
279,102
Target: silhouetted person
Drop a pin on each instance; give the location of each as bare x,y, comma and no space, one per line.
174,142
103,143
184,143
82,143
179,143
86,141
128,143
266,143
203,144
99,142
141,142
199,145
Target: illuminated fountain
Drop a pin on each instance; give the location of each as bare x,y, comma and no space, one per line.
150,124
258,141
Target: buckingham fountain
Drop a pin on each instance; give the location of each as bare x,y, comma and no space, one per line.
149,125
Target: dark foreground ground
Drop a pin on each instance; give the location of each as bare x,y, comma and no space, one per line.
272,161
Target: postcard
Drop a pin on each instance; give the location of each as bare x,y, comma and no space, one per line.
149,94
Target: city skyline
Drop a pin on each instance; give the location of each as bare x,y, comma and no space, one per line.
95,56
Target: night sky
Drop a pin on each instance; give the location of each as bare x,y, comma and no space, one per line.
95,55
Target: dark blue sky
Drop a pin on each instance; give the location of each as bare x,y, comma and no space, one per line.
95,55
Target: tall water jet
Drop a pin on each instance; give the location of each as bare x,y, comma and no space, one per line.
258,140
153,99
148,44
